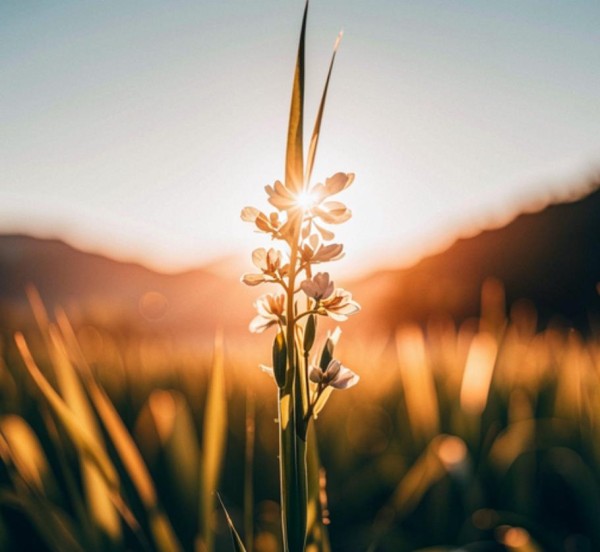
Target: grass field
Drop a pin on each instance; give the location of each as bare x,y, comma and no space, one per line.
483,436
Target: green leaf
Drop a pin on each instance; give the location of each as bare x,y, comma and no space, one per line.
294,170
314,141
316,528
292,469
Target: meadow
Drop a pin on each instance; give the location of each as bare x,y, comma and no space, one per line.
482,436
479,434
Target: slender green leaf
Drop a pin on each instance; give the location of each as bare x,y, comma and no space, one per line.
317,506
294,171
292,469
314,141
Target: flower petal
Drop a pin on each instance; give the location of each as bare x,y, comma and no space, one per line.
315,375
253,279
267,370
325,253
259,257
338,182
326,234
345,379
280,197
259,324
332,212
249,214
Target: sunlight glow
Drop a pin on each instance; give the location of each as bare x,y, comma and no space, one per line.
306,200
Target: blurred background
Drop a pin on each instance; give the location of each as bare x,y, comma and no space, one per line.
131,138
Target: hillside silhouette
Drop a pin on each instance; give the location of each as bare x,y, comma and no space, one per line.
121,295
550,257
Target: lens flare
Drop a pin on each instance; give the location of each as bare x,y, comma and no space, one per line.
306,200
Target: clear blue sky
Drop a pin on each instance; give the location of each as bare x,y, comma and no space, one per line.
142,128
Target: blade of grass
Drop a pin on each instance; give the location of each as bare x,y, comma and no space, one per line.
249,470
238,545
50,524
292,457
98,498
80,436
314,141
213,446
316,527
129,455
294,162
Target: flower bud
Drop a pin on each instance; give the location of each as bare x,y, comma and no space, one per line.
326,355
279,359
309,333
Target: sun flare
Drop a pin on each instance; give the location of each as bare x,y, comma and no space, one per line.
306,199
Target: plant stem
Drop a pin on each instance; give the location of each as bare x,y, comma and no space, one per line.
292,446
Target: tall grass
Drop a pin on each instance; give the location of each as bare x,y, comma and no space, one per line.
506,452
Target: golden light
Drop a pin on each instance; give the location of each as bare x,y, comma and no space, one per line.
306,200
478,373
452,451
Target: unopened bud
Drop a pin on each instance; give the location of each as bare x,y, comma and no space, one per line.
309,333
279,359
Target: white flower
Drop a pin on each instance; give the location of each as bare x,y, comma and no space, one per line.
331,212
335,375
270,311
333,185
312,201
269,225
319,287
339,305
280,197
267,261
314,251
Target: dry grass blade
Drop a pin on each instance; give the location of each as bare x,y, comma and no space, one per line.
98,495
129,454
49,522
249,470
238,545
213,445
75,429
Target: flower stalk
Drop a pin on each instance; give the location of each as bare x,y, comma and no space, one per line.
300,224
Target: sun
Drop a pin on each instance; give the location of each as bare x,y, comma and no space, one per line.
306,199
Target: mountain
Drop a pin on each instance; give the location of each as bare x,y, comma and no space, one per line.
113,293
550,258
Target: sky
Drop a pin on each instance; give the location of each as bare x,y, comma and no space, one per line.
141,129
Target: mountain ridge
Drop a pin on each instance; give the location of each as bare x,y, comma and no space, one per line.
550,256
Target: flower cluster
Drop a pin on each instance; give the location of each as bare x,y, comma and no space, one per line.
301,224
